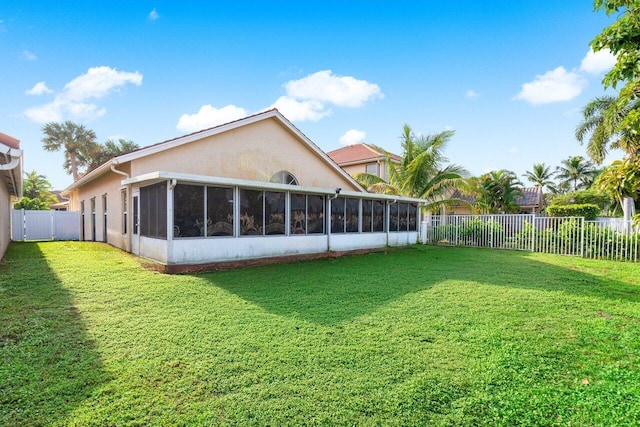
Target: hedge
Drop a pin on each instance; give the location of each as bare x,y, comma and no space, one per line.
588,211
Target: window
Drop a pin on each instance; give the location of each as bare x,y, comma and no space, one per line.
306,214
403,216
373,169
413,220
393,217
352,215
262,212
298,213
378,215
219,211
251,212
284,177
93,219
315,214
367,217
153,211
136,215
337,215
124,211
274,213
188,211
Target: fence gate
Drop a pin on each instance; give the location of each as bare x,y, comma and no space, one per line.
45,225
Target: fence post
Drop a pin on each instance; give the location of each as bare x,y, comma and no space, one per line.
534,227
23,220
491,229
582,238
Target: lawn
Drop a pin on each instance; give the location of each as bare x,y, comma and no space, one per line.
416,336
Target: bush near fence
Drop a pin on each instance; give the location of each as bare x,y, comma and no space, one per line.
587,210
556,235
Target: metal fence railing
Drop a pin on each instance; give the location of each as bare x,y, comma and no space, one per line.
573,236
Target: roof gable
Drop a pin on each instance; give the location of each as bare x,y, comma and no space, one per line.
164,146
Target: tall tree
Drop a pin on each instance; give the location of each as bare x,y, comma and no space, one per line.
77,142
423,172
36,193
108,150
541,176
622,38
576,170
497,192
601,123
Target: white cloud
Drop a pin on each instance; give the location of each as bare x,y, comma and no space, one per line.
597,62
553,86
153,15
70,103
472,94
300,111
353,136
324,86
514,150
39,88
209,116
28,55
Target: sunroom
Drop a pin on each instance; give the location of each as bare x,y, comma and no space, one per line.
185,219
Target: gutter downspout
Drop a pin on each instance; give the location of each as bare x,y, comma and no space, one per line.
129,203
12,164
388,219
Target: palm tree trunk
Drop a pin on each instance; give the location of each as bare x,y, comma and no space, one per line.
74,166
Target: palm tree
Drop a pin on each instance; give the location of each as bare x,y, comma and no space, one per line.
576,170
497,191
423,171
602,124
36,192
77,142
541,176
109,150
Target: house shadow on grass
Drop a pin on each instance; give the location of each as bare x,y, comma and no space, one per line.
333,291
48,364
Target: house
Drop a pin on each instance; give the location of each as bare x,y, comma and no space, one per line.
530,201
61,204
363,158
249,189
10,185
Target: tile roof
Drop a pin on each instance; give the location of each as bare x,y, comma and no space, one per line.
358,153
9,141
530,196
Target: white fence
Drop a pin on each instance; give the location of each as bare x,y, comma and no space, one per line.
600,239
44,225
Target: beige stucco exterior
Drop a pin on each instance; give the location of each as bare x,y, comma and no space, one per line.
238,156
362,168
5,219
253,152
10,185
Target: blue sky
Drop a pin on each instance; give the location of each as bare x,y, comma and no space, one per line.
509,76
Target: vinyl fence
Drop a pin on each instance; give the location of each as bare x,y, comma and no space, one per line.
44,225
601,239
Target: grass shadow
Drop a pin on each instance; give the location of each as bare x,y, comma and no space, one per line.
48,365
333,291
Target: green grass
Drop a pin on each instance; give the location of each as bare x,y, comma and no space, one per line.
419,336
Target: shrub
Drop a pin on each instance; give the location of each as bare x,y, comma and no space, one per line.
588,211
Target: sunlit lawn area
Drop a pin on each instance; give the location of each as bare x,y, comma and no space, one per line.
417,336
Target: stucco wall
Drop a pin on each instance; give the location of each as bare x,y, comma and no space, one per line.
362,167
253,152
108,184
5,218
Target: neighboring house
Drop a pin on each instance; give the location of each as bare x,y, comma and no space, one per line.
62,204
359,158
253,188
530,200
10,185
